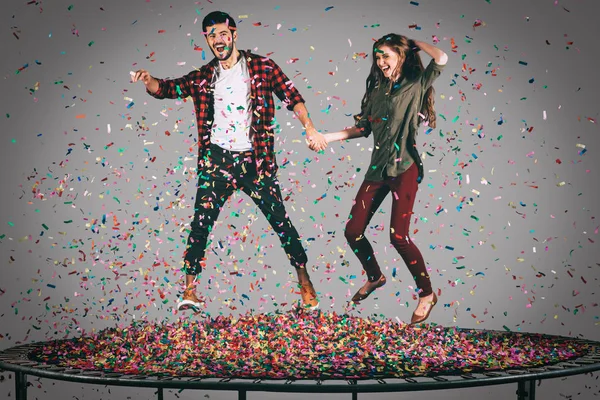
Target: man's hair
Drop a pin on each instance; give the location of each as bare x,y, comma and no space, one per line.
217,17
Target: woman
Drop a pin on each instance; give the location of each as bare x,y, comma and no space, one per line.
399,96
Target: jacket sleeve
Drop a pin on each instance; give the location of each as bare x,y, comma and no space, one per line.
430,74
362,121
283,87
178,88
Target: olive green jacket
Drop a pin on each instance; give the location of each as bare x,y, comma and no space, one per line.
392,117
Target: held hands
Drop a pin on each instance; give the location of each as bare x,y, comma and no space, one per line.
315,140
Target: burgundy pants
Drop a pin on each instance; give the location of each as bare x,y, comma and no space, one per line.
370,196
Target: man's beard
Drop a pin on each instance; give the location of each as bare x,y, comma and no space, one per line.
228,51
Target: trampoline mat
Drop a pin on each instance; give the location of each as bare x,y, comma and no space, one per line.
304,345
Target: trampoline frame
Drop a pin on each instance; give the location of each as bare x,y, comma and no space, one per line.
16,359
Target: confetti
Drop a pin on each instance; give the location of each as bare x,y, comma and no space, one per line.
302,345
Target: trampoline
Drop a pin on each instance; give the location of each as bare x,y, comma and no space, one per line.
302,352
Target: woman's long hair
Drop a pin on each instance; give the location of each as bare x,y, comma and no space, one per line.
411,67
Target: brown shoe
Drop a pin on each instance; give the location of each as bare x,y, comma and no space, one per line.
420,318
360,295
309,296
189,300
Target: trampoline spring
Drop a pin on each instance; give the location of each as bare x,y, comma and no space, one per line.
492,374
468,376
515,372
225,380
289,381
585,361
537,370
14,356
379,380
569,364
91,373
257,380
195,379
410,380
25,363
72,371
319,382
351,381
440,379
44,366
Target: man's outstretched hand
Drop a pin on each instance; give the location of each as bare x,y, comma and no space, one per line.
315,140
144,76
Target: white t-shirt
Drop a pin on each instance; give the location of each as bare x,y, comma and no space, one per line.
232,118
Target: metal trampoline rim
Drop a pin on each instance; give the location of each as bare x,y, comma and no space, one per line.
320,386
334,385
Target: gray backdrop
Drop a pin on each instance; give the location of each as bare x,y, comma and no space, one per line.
98,178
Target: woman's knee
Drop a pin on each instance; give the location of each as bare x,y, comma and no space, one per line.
400,242
353,233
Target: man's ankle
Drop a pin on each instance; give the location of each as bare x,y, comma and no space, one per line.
303,277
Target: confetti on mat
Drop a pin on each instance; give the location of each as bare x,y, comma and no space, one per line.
301,344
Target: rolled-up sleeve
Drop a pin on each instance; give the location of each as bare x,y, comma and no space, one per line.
362,120
430,74
178,88
284,88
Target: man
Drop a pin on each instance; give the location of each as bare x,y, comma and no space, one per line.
235,112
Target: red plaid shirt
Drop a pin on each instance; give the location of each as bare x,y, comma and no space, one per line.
266,78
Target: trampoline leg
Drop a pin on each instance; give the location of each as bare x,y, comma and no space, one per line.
242,395
526,390
354,395
20,386
161,395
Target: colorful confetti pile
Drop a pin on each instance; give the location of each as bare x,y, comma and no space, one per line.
304,345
